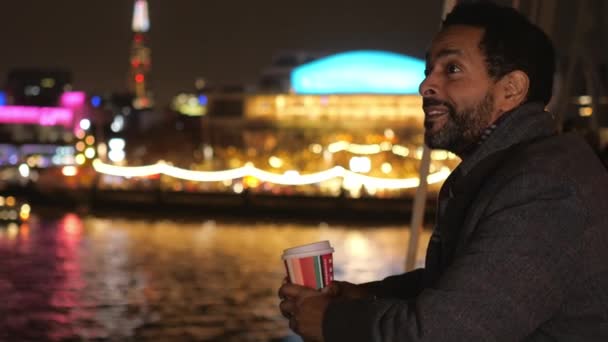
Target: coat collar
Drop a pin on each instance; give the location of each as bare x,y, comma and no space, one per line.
526,122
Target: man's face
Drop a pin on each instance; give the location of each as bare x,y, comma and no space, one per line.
458,93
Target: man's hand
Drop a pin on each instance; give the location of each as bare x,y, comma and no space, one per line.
305,307
345,290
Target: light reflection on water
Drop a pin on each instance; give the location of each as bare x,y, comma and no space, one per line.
121,279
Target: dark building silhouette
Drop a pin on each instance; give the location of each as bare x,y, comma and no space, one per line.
37,87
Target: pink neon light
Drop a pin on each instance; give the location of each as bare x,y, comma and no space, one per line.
45,116
72,99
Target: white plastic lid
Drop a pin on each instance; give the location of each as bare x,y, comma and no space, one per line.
315,248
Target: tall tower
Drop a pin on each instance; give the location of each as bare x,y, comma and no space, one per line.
140,56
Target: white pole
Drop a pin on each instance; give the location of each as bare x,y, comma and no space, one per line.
418,210
420,198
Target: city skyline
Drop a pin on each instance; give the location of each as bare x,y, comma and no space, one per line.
215,41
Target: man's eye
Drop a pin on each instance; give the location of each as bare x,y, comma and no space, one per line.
452,68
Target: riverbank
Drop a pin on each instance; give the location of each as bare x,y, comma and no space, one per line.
186,206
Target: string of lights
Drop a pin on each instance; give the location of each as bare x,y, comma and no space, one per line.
386,146
249,170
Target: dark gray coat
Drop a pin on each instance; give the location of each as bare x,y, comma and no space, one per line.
526,259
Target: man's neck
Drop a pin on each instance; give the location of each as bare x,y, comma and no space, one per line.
485,134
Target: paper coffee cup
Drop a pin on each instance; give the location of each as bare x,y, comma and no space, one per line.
310,265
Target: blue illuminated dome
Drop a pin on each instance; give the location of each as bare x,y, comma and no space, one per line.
360,72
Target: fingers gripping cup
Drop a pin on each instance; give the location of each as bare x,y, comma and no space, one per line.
310,265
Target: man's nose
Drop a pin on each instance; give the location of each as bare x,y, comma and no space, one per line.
428,87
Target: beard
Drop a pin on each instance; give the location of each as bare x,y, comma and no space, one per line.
462,128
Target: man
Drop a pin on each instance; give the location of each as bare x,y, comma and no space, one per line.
520,247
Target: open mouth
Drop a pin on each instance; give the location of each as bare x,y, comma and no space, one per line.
433,112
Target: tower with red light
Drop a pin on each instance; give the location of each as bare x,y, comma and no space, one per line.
140,57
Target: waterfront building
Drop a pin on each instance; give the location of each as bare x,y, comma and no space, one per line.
44,124
35,138
359,110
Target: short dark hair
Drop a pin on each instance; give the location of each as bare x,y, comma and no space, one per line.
510,42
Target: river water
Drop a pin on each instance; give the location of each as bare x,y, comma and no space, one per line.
87,278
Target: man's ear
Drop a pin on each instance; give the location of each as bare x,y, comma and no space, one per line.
515,86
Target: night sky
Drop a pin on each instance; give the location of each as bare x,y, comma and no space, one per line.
226,42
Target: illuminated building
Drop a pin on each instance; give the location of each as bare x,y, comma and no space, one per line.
224,101
190,104
39,118
42,136
355,93
360,72
371,86
355,96
140,56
